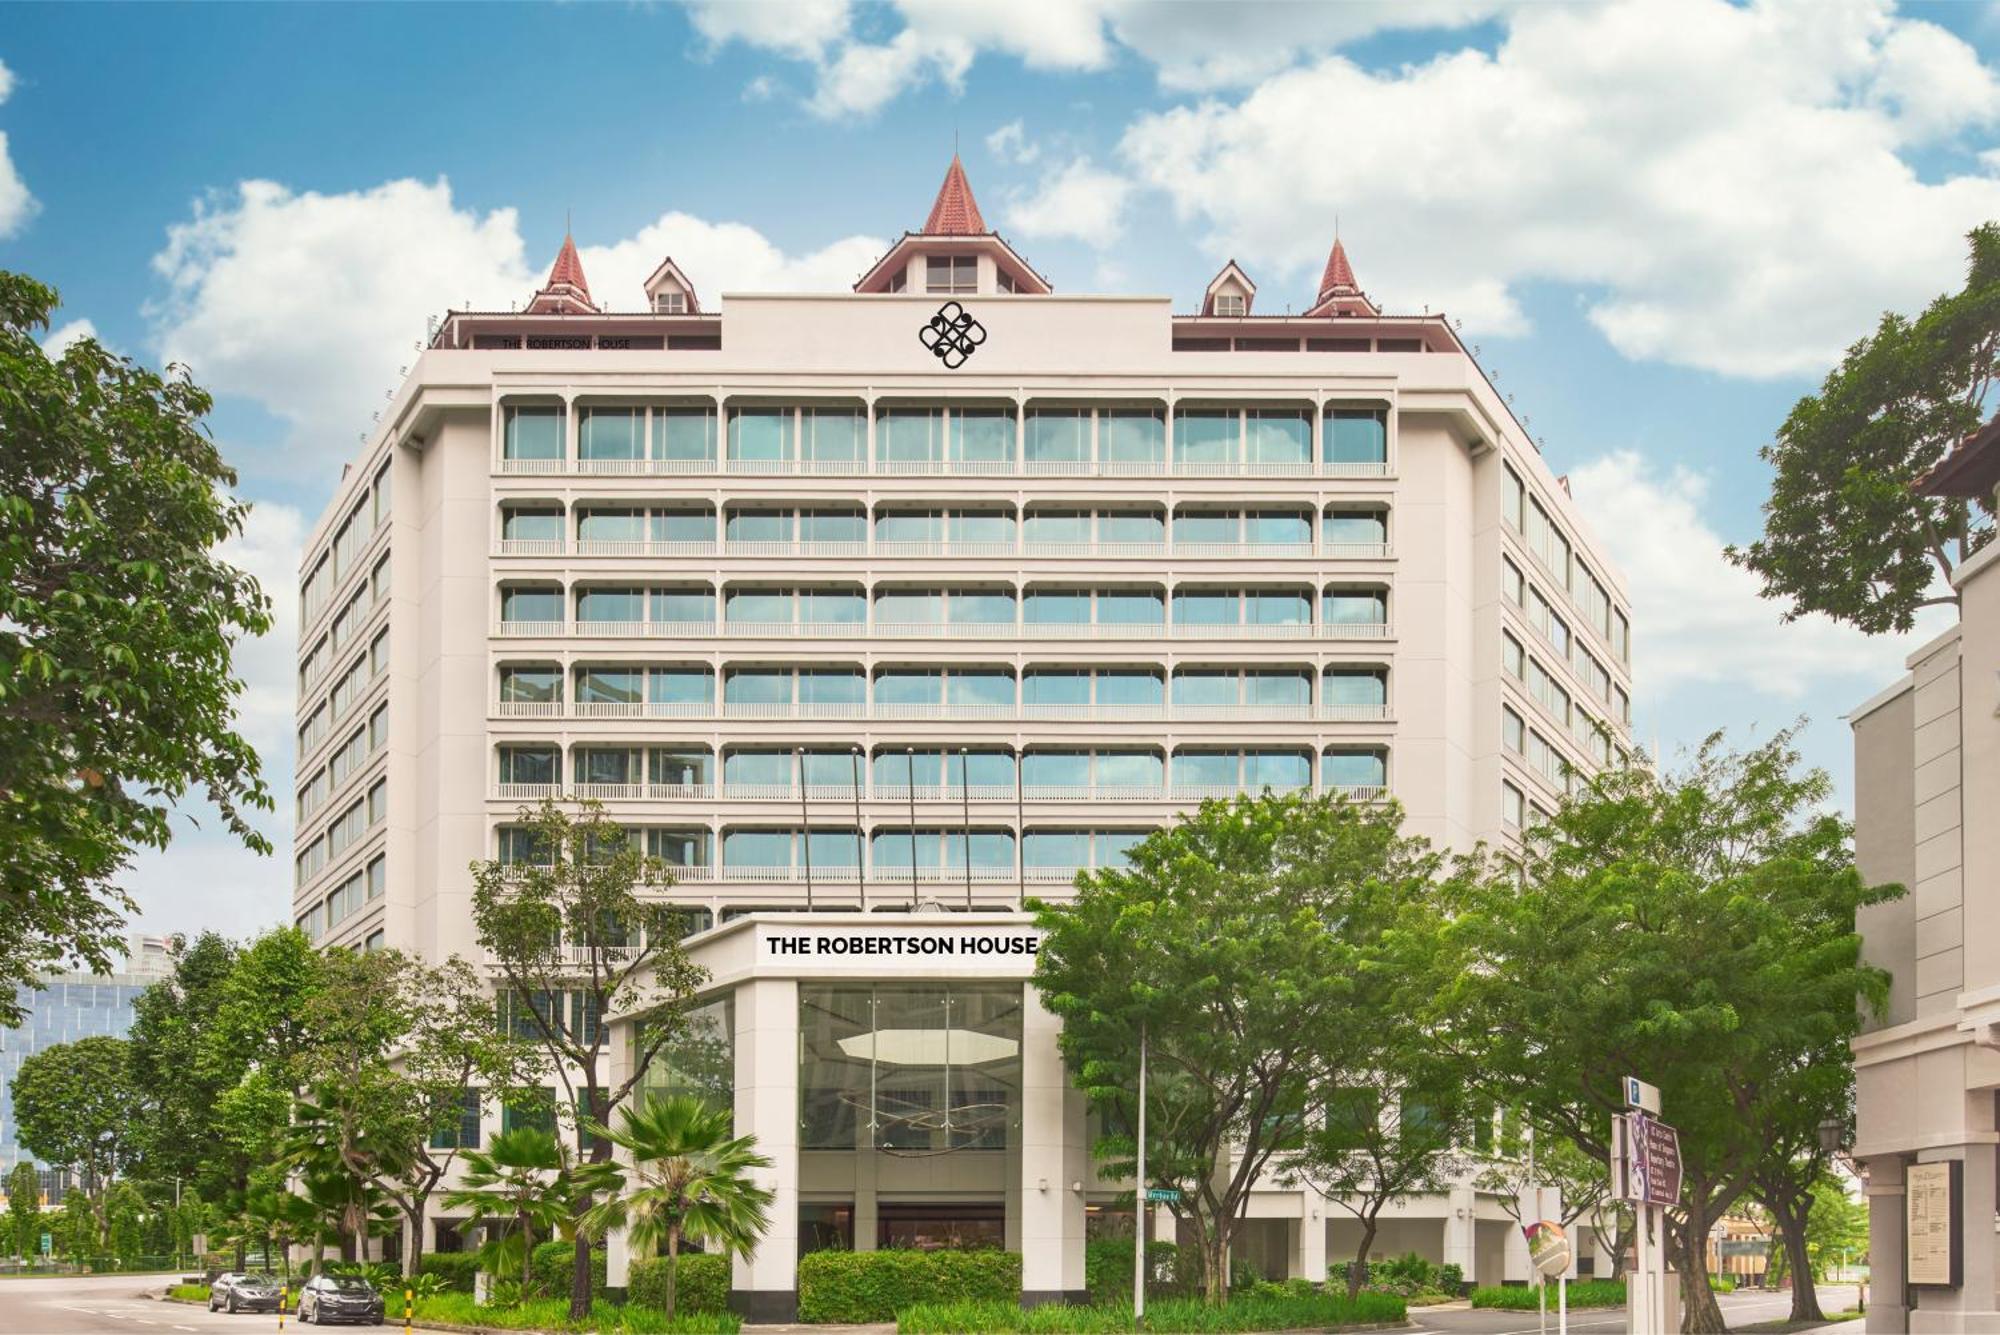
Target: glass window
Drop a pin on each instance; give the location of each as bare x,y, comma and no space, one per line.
1277,607
1365,528
680,686
1513,498
672,605
833,606
910,435
1278,437
611,525
1276,769
1132,437
1510,806
612,433
765,767
909,526
1510,655
909,686
832,435
758,526
1055,686
979,686
610,605
833,526
678,848
1355,688
1207,687
683,525
1206,769
1056,526
1126,686
1205,436
518,525
1207,607
761,435
988,526
532,433
530,685
1356,436
1130,769
608,765
983,607
684,433
1355,607
1354,769
1056,769
1139,526
951,273
757,686
759,605
1280,688
1131,607
832,686
1047,607
1512,732
1278,526
1192,526
908,606
982,435
530,764
544,604
1058,436
1056,848
610,686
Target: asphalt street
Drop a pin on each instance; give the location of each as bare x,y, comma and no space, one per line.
1739,1309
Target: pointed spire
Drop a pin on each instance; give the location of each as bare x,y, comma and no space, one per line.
567,292
1338,280
956,212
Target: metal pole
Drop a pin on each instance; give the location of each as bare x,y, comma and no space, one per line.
910,766
965,807
860,879
1562,1305
805,827
1139,1195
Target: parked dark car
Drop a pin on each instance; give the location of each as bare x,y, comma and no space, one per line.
327,1299
238,1292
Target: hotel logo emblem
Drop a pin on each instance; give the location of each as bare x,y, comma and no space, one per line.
952,335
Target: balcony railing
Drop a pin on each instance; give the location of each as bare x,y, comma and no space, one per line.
884,713
897,550
872,791
942,630
1159,467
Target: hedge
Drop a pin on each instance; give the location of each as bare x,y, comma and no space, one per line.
1522,1298
456,1269
851,1287
552,1265
1319,1311
1107,1269
703,1283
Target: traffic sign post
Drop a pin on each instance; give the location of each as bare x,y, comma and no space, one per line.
1646,1170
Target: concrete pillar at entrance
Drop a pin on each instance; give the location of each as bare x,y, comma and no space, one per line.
1052,1161
1886,1222
1974,1305
764,1287
1308,1258
1461,1232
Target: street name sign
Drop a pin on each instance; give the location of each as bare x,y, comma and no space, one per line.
1167,1195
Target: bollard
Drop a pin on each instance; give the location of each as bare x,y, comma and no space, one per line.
284,1292
409,1303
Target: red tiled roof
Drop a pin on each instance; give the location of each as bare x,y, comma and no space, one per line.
569,269
956,212
1339,275
1971,470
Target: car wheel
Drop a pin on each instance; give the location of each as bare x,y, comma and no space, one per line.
304,1318
230,1306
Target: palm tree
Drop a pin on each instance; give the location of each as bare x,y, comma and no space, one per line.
690,1178
524,1180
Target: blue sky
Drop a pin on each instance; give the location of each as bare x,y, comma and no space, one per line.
1659,222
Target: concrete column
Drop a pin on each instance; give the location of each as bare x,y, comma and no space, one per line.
1308,1255
764,1287
1052,1159
1972,1306
1461,1232
1886,1247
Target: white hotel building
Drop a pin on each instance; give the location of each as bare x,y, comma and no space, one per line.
976,582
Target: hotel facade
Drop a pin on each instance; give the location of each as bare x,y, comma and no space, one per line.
898,606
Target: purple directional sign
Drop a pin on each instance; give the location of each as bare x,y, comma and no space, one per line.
1655,1148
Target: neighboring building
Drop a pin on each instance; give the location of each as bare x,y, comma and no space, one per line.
948,587
71,1006
1927,1073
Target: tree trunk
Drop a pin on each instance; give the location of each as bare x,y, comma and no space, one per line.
673,1266
1688,1244
1790,1214
1359,1265
413,1236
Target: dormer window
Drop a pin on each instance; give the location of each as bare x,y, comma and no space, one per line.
670,303
954,274
1004,280
900,281
1230,303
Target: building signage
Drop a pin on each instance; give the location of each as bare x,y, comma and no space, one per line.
1651,1161
865,948
557,342
952,335
1166,1195
1930,1204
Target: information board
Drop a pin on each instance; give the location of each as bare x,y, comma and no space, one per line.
1930,1205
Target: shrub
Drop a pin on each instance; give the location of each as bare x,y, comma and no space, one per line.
194,1293
1451,1278
552,1265
1314,1312
850,1287
703,1283
1107,1269
545,1314
1722,1283
456,1269
1521,1297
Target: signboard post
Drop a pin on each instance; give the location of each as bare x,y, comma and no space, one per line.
1931,1195
1646,1170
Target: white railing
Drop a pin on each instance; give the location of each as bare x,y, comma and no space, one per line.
1041,713
530,709
640,547
943,467
528,547
527,629
892,793
527,792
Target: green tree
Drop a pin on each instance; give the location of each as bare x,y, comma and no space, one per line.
1693,928
123,1209
75,1107
263,1017
1843,532
117,622
690,1179
1836,1228
1583,1183
523,1186
1237,941
76,1232
181,1071
569,925
24,1209
404,1048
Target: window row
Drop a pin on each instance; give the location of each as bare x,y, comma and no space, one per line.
685,608
691,688
370,510
842,437
1544,538
778,853
364,814
542,528
352,617
341,765
346,899
891,771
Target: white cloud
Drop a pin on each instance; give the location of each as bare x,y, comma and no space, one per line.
17,205
1077,200
1010,143
269,548
63,336
1699,619
1725,182
798,28
760,89
865,76
722,257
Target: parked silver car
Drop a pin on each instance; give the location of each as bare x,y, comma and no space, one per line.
240,1292
327,1299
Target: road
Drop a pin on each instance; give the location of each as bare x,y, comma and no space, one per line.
72,1304
1739,1309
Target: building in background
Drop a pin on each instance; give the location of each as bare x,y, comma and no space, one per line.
71,1006
914,601
1927,1073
